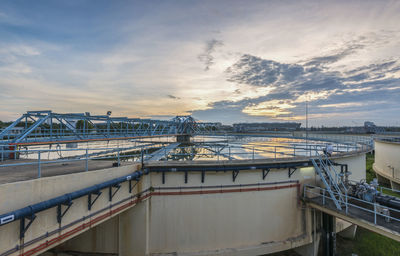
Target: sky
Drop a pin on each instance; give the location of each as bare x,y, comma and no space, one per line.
220,61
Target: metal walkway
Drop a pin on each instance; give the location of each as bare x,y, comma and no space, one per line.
162,153
372,216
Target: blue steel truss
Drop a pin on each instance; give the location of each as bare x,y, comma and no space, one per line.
43,127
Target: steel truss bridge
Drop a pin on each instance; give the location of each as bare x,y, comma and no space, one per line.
47,127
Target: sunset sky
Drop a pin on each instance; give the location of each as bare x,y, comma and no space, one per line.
225,61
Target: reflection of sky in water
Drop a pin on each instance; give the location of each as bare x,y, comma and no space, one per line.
76,149
242,147
204,148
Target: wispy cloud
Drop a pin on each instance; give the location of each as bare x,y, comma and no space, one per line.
206,57
173,97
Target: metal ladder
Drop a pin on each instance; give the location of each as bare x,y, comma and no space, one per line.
334,184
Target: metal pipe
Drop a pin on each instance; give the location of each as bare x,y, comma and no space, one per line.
65,199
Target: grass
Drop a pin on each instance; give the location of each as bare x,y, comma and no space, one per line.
370,174
368,243
390,192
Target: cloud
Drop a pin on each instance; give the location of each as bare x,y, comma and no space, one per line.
206,57
273,108
173,97
350,48
255,71
316,81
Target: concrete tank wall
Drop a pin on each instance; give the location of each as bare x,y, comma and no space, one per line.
356,164
21,194
387,160
215,222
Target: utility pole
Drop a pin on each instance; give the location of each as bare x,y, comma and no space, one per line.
307,121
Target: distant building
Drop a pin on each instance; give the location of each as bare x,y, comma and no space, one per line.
263,127
370,127
19,130
226,128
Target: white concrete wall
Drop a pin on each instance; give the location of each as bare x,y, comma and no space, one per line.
356,165
195,223
387,160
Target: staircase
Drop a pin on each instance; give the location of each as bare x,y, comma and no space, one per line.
331,179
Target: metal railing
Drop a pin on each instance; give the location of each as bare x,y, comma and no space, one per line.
355,207
38,156
219,152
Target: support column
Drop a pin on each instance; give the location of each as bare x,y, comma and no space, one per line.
133,231
349,233
395,185
183,138
328,235
311,227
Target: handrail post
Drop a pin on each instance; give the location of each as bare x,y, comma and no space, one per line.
229,153
375,213
118,158
323,197
87,161
275,152
39,167
253,153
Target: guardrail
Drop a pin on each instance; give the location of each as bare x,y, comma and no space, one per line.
117,155
390,139
218,152
355,207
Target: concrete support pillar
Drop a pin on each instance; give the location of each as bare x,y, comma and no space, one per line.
349,232
133,231
100,239
395,185
310,249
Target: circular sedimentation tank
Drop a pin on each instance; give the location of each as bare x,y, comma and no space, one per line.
220,195
239,195
387,161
